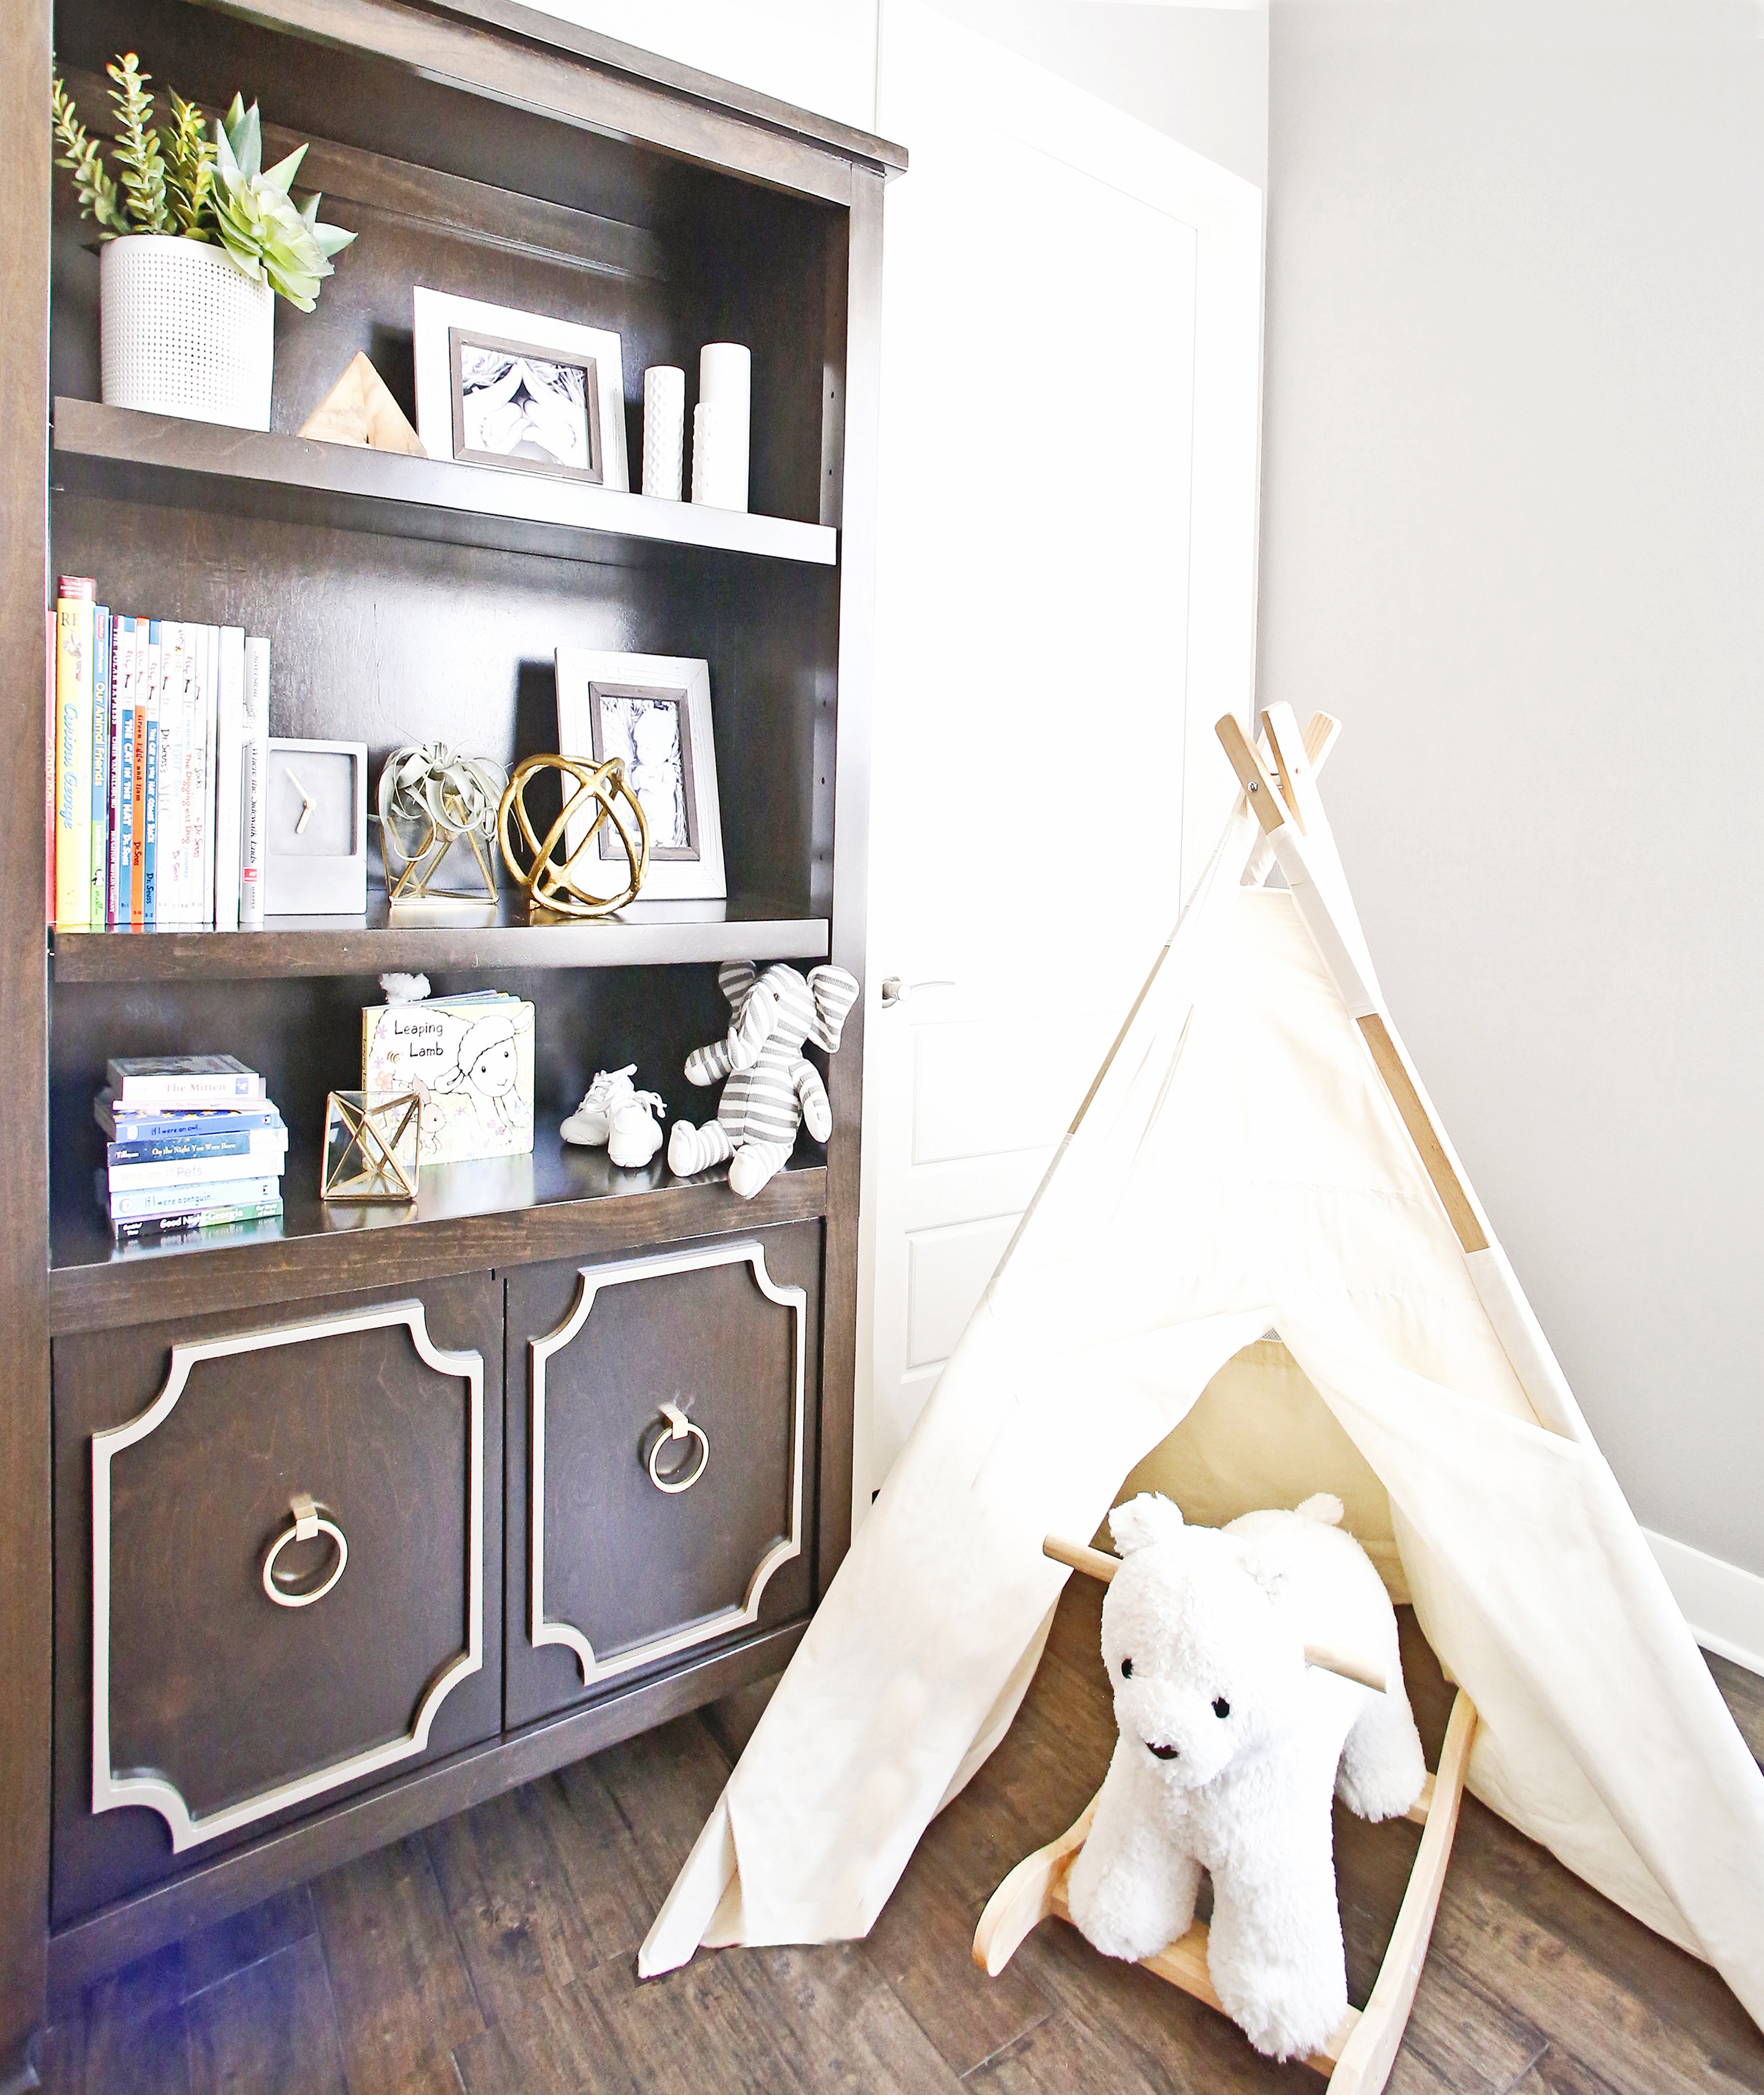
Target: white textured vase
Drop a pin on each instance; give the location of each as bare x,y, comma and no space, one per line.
184,332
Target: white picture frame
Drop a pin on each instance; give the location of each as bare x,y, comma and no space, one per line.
439,314
603,700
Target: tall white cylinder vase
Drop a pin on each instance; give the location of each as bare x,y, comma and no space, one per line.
663,430
184,331
725,387
719,456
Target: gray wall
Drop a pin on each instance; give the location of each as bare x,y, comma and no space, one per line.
1198,74
1513,535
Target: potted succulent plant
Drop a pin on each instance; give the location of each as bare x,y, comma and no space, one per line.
199,239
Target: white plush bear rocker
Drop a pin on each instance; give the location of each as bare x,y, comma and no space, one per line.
773,1088
1231,1746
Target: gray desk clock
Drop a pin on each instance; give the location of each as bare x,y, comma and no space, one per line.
315,829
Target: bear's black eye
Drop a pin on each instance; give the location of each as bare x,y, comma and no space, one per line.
1126,1669
1221,1707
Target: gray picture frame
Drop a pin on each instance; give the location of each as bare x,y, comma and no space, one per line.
461,338
679,698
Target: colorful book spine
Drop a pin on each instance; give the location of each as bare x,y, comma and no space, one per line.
98,909
125,1231
122,873
151,1203
50,651
168,1123
149,849
206,843
255,787
227,755
74,617
192,1175
190,778
174,666
167,1092
190,783
137,828
122,680
263,1145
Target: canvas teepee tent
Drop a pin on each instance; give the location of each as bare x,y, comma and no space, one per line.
1257,1153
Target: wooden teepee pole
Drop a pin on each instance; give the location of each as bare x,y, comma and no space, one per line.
1303,808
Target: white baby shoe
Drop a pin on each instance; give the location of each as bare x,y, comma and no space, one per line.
635,1138
591,1122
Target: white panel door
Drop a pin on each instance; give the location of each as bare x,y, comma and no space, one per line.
1065,593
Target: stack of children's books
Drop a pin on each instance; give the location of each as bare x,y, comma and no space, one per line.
193,1143
158,745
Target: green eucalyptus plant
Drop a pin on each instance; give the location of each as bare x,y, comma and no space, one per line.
178,180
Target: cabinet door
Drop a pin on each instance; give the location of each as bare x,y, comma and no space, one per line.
278,1545
639,1534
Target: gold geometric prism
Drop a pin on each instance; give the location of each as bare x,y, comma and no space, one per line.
370,1146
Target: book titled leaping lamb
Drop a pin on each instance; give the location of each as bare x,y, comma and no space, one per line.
470,1060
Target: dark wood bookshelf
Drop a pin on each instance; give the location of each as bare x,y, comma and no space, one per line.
647,934
503,1211
481,148
163,461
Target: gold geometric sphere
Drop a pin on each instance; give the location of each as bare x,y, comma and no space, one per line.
551,880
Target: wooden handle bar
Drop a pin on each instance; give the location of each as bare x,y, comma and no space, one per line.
1099,1564
1093,1563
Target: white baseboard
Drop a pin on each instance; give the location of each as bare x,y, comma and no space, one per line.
1723,1604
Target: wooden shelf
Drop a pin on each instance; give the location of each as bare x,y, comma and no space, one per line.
160,458
560,1202
647,934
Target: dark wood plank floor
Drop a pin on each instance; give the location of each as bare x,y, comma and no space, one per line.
496,1953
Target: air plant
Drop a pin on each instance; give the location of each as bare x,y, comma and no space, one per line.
178,180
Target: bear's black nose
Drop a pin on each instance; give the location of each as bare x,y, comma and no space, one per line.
1162,1753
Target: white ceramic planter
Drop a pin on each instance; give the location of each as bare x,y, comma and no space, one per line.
184,332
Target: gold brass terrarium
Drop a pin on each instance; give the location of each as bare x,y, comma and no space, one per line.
370,1146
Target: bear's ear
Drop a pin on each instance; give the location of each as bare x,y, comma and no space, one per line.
1322,1506
1150,1517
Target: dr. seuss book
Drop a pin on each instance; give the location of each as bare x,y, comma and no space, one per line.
469,1059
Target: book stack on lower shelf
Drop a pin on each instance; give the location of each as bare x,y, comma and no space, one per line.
193,1143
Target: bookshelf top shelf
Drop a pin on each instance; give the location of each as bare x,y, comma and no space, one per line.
560,1202
158,457
646,935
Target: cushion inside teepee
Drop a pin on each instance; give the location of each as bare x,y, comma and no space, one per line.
1260,1435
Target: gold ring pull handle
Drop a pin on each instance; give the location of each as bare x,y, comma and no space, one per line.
685,1473
309,1523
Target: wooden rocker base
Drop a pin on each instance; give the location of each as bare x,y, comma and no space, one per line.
1358,2058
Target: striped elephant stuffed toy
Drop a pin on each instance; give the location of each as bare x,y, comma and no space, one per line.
772,1088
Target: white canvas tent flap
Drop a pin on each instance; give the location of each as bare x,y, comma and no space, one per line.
1240,1165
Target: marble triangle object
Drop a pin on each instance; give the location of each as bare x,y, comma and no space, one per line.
359,410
